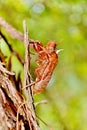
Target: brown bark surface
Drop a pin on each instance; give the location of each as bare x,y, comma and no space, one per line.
16,112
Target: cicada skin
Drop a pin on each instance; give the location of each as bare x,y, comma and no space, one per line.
46,63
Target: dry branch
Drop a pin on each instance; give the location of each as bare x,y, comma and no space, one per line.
10,99
17,112
12,31
28,92
11,49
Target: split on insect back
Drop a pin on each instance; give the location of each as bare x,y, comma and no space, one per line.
46,63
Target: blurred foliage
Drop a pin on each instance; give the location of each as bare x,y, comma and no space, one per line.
66,23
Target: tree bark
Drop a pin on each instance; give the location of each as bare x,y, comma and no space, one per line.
16,112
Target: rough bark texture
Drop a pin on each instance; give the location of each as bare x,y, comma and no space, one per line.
16,112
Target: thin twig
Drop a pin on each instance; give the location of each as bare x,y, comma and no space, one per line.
11,49
41,102
27,54
27,80
14,33
11,30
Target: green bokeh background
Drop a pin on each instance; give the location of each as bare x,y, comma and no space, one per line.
65,22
